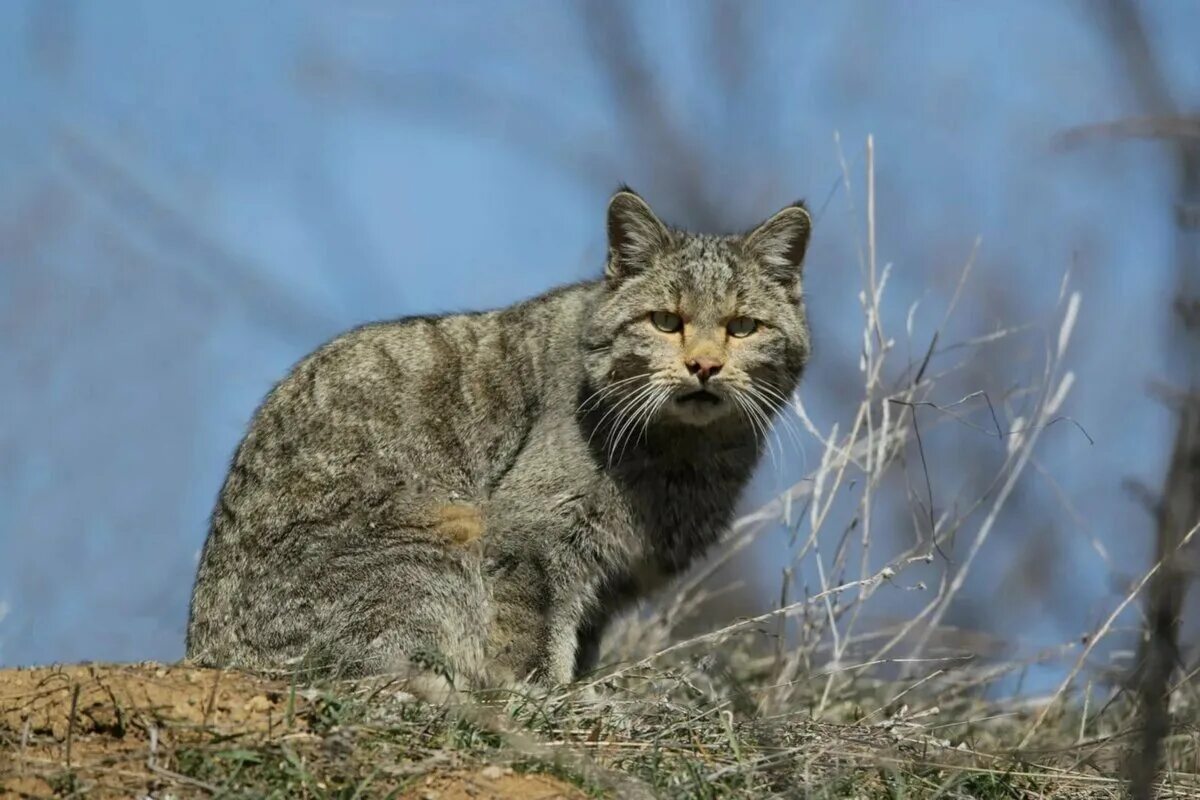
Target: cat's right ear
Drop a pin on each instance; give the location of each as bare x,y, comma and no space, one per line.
634,235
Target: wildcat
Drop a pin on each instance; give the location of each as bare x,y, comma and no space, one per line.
482,492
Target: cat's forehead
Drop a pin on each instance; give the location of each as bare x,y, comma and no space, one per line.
707,261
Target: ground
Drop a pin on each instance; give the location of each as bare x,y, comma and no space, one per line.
119,731
153,730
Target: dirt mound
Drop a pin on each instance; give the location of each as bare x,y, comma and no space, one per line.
135,698
153,730
111,726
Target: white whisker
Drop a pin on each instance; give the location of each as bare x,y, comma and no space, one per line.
616,408
754,417
644,413
624,413
781,417
604,391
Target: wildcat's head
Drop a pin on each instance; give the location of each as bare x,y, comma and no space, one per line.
696,328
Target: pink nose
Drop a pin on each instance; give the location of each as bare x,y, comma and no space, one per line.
703,367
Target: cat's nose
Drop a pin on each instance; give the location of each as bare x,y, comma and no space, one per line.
704,367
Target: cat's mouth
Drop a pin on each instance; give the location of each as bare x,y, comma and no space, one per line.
699,397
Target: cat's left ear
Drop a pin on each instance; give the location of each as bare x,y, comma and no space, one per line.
635,235
780,242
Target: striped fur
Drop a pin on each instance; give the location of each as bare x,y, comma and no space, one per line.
479,494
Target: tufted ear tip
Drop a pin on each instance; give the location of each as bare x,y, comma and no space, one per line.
626,206
781,241
635,234
797,214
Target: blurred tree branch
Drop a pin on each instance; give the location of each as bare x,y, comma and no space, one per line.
1179,508
449,98
643,113
1158,127
672,158
102,172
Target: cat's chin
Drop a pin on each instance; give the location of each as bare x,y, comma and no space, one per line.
699,411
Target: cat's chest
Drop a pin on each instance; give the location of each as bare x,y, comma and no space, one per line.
683,511
702,515
646,513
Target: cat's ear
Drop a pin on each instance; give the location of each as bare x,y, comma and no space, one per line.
634,235
780,242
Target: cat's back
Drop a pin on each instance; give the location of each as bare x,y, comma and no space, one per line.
430,358
444,399
460,368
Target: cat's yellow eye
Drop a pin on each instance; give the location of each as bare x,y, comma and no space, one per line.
666,321
742,326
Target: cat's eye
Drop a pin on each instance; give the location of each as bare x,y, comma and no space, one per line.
666,321
742,326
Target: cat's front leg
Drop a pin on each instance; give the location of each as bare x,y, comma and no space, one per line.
544,583
565,617
576,571
537,612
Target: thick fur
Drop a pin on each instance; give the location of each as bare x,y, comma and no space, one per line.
476,495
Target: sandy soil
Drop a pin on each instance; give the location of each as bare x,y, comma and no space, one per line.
112,730
108,724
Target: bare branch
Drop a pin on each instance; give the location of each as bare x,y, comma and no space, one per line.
1180,505
613,39
1130,128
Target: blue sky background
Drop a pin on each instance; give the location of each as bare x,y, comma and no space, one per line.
193,196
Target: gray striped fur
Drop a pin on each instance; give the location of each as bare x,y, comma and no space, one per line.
478,494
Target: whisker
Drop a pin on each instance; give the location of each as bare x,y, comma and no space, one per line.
787,401
662,400
613,436
630,424
769,390
646,410
616,408
779,420
766,414
643,413
607,389
626,406
772,391
753,416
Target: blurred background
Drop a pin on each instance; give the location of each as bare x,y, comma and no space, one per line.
192,197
